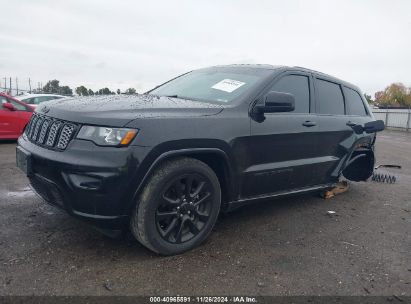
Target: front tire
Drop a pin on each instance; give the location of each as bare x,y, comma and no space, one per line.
178,207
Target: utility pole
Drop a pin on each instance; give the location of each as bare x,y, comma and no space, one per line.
10,86
17,87
5,84
30,85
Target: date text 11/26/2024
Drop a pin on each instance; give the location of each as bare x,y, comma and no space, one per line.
206,299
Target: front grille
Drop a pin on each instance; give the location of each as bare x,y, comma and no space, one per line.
50,132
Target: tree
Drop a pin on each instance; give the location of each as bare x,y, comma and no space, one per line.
130,91
65,90
90,92
52,86
105,91
82,91
368,98
118,91
396,94
408,98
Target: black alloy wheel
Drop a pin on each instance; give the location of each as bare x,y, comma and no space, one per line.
178,206
185,208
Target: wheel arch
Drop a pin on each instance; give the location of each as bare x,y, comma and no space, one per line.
360,165
216,158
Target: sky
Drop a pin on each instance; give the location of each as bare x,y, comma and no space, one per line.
139,44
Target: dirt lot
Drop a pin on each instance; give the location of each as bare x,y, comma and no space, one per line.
284,247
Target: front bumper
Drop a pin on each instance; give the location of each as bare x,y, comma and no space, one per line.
90,182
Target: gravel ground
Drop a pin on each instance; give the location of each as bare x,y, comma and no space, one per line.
284,247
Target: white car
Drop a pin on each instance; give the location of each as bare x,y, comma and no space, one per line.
35,99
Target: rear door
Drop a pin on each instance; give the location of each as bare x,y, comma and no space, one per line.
282,150
336,136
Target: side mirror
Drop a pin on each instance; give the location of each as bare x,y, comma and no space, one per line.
276,102
374,126
9,106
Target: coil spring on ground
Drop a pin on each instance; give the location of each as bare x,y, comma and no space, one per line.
383,178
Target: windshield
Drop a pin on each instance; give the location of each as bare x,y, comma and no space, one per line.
217,85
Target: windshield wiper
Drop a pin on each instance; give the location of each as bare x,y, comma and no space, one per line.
175,96
178,96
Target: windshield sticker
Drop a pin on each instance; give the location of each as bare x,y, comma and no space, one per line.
228,85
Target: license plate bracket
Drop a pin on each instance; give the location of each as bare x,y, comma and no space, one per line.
23,160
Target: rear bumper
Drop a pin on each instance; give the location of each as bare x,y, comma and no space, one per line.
93,183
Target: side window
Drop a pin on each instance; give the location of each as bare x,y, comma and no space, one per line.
47,98
297,85
355,105
330,98
3,100
28,100
37,100
34,100
17,105
54,97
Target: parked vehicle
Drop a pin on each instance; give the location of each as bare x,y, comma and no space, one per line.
14,116
166,163
35,99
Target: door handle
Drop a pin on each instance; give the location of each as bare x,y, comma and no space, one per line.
351,124
309,123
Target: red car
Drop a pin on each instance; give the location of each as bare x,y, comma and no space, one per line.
14,116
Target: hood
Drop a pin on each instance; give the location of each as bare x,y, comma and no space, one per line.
118,110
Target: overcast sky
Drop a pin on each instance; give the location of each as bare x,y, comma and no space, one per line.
139,44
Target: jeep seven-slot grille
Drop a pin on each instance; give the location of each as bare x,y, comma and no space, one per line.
49,132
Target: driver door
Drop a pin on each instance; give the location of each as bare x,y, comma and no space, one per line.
283,149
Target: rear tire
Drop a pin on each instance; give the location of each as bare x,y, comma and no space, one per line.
178,207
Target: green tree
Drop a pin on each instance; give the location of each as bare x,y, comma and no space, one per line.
82,91
368,98
90,92
52,86
65,90
118,91
105,91
130,91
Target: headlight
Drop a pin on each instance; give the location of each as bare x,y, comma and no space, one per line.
107,136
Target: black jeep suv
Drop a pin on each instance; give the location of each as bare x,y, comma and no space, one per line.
165,163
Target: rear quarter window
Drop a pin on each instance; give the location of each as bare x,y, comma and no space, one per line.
354,102
330,98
